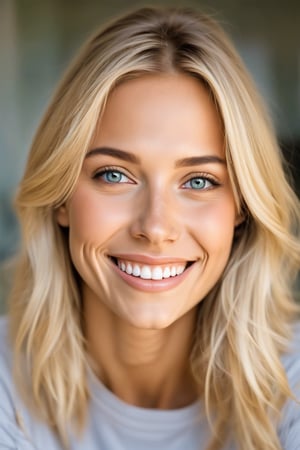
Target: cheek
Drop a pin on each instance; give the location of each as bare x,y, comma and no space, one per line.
214,223
95,217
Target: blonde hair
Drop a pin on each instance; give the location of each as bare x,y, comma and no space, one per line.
245,322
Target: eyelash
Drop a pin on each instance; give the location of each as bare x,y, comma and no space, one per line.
109,169
204,176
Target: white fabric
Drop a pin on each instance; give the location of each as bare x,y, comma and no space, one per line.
115,425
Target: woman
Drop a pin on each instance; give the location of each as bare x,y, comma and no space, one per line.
152,305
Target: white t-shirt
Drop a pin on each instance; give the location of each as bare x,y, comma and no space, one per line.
115,425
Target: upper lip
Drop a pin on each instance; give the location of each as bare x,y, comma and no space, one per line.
150,260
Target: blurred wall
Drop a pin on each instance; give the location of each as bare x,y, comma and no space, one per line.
38,38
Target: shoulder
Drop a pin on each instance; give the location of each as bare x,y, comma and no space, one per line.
291,358
19,428
5,354
289,428
11,434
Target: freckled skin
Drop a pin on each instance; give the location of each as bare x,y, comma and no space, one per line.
160,119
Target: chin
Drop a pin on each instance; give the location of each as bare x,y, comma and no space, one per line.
150,320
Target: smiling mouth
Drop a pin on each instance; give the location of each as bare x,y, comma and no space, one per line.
151,272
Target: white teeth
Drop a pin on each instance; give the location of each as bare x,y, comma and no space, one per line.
173,271
167,272
150,272
157,273
136,270
179,270
146,273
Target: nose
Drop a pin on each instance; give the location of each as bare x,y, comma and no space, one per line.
156,220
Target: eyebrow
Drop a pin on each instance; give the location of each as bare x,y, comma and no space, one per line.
130,157
198,160
116,153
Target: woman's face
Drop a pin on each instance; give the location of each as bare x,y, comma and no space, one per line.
152,218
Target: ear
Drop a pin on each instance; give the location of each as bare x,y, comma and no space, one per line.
240,218
62,215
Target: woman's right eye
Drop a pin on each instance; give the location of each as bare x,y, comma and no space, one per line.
112,176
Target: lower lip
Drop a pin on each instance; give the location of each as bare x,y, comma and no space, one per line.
152,285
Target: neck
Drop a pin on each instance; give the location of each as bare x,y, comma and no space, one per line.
147,368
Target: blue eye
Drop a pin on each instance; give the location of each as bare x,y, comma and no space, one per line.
112,176
199,183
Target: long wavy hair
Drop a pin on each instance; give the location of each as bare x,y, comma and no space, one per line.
245,322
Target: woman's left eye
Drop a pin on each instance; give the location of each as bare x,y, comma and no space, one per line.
199,183
112,176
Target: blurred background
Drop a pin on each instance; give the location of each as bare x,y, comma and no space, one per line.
39,37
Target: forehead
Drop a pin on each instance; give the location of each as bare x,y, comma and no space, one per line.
169,111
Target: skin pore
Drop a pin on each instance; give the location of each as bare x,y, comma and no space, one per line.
153,197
